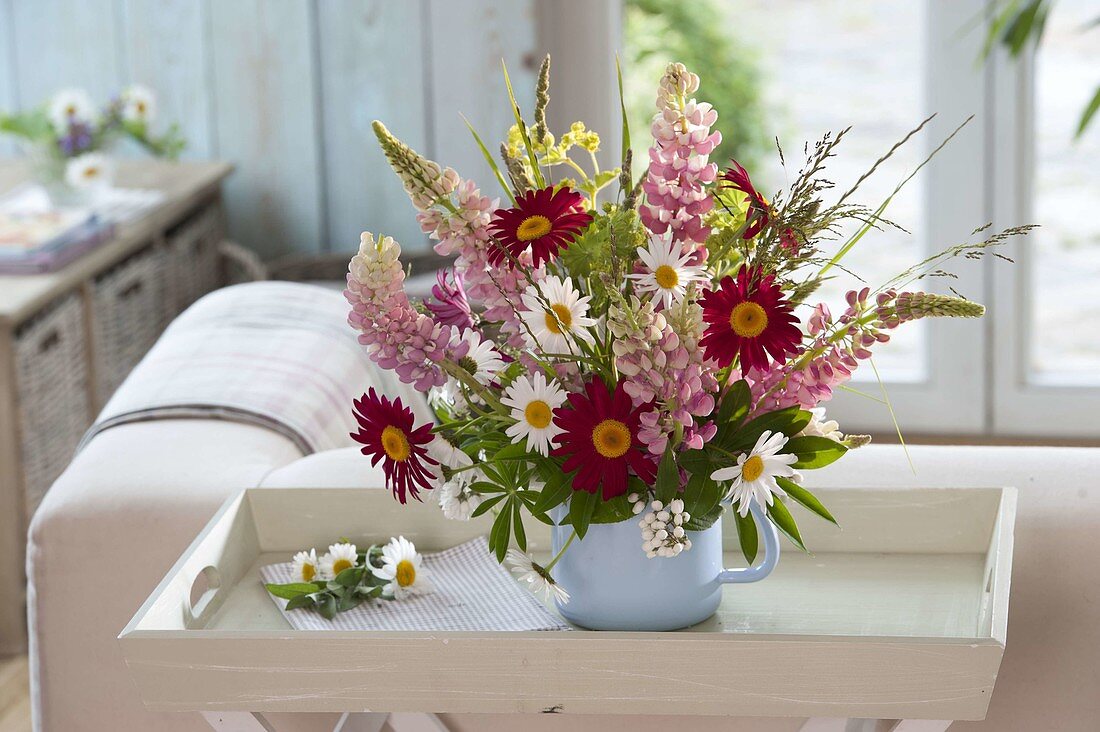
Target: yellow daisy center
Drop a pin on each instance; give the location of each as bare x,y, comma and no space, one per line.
533,227
395,444
141,107
340,565
70,110
406,573
748,319
611,438
91,172
564,317
753,468
666,277
537,414
308,572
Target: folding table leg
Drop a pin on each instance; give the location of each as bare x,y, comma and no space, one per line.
296,722
837,724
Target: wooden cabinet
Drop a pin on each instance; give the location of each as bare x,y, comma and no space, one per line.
69,338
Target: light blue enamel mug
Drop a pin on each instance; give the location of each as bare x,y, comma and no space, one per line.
613,585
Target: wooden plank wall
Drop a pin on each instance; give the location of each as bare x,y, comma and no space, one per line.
286,90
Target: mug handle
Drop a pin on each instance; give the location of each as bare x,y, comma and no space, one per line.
771,552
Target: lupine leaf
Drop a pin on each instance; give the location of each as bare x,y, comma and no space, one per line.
486,505
747,536
553,494
803,496
814,452
517,527
501,533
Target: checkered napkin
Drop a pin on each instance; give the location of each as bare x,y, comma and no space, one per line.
471,592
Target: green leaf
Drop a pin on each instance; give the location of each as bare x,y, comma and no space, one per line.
622,106
582,505
350,577
299,602
517,527
668,477
701,496
747,536
612,511
553,494
735,404
523,129
789,421
807,499
487,505
1088,113
291,590
814,452
696,462
782,518
489,159
348,601
501,533
326,605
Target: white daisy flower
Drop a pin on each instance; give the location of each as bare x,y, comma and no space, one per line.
821,427
90,171
533,401
456,499
338,558
402,570
483,362
565,312
139,104
68,106
755,472
667,272
306,567
538,580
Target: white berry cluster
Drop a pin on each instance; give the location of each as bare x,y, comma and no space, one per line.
663,533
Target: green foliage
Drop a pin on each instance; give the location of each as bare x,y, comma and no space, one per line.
349,589
698,35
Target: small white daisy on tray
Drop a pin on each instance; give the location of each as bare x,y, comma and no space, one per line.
668,273
306,567
138,104
403,570
755,472
68,106
567,315
338,558
533,401
537,579
89,171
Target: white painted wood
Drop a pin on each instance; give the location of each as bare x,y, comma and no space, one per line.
371,58
63,44
910,627
165,42
414,722
467,80
266,113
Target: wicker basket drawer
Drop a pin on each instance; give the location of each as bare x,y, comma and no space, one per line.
193,266
52,392
127,312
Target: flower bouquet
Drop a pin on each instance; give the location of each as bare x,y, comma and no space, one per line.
67,137
625,367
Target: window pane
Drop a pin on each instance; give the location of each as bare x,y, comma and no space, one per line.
1065,261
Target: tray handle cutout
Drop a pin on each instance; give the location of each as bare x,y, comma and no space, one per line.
200,602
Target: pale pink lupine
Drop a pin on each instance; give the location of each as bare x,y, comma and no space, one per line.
676,197
395,335
657,366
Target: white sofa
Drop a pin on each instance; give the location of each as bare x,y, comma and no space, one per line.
134,498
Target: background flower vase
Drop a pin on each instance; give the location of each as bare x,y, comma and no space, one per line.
613,585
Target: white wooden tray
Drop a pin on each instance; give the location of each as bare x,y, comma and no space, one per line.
900,614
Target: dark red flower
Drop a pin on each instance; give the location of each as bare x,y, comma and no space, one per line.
749,319
757,216
545,220
789,241
386,432
451,306
600,440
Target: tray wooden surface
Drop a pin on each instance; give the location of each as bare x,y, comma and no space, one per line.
899,614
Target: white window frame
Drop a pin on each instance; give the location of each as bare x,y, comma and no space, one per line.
1022,405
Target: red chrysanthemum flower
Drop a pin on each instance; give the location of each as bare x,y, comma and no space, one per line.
748,318
757,216
386,432
545,220
600,440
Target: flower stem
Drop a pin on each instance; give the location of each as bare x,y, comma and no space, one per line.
561,551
